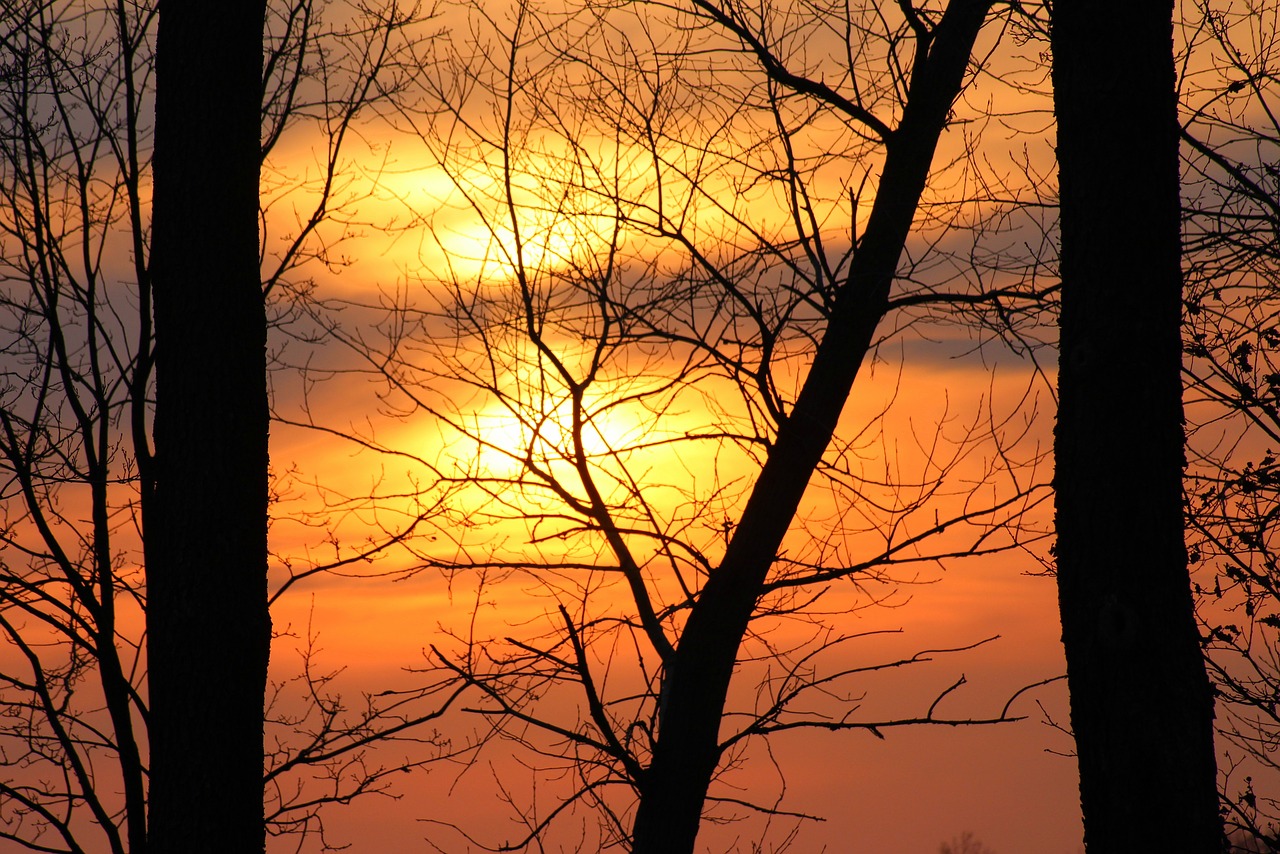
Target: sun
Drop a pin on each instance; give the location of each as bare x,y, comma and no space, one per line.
548,434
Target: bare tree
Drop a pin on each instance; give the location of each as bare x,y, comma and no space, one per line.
72,177
640,362
1231,142
1128,626
76,84
205,480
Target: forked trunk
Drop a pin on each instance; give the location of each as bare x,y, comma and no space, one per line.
688,748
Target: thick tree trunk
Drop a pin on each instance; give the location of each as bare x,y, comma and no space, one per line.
208,629
697,678
1141,707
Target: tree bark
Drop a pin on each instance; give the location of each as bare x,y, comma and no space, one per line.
697,678
208,629
1141,706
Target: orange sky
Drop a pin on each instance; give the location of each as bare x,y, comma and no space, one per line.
431,215
417,218
907,793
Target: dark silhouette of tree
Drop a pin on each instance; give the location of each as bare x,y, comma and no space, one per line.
72,692
1231,143
204,489
698,669
76,397
612,134
1141,709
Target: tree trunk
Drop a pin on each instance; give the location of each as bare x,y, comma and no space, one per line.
687,750
1141,707
208,629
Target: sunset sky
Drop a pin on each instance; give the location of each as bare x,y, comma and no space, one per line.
574,268
931,385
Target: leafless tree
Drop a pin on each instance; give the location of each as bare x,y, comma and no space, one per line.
1231,145
675,236
76,83
1128,627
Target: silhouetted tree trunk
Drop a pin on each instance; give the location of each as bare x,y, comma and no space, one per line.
206,522
1141,708
697,679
